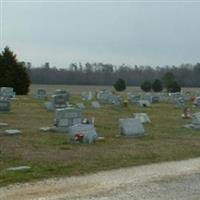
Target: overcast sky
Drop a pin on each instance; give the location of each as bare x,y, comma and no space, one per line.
117,32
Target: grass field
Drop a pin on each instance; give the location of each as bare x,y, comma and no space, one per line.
50,154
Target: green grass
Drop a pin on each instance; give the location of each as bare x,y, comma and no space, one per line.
51,155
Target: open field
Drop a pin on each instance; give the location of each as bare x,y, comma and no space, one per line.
50,154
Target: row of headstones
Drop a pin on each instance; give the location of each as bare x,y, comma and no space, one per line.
70,120
104,96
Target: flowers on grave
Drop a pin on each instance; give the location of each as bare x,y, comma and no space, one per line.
79,137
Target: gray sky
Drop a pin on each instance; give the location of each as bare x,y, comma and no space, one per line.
117,32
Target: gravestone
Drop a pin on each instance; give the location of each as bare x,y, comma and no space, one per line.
81,105
131,127
59,100
12,132
87,96
195,122
41,94
95,104
85,133
179,102
144,103
196,118
62,92
143,117
4,106
66,117
7,92
154,99
197,101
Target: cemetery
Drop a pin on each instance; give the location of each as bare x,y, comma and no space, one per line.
84,135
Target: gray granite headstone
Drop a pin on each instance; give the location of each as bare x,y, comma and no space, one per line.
95,104
41,94
59,100
66,117
131,127
86,130
62,92
144,103
143,117
4,106
7,92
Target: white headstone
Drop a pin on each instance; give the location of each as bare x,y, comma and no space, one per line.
95,104
87,131
131,127
143,117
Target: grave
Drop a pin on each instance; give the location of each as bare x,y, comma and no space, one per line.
7,92
197,101
66,117
131,127
87,96
154,99
4,106
143,117
12,132
195,122
41,94
62,92
19,168
95,104
144,103
81,105
58,101
82,133
179,102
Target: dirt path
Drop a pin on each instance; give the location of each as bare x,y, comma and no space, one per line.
172,180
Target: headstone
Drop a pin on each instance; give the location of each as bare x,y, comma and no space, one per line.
154,99
62,92
180,102
87,96
195,122
143,117
41,94
81,105
197,101
131,127
7,92
95,104
196,118
85,133
20,168
4,106
144,103
12,132
2,124
66,117
59,100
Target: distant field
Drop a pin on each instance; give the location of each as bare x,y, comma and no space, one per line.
76,89
51,154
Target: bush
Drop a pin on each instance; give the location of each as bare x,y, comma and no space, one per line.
120,85
13,73
146,86
157,86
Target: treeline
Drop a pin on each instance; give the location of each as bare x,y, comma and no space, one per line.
187,75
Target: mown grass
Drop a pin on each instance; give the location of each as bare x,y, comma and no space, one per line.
51,155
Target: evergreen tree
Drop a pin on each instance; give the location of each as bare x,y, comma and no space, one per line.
13,73
174,87
168,79
146,86
157,86
120,85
